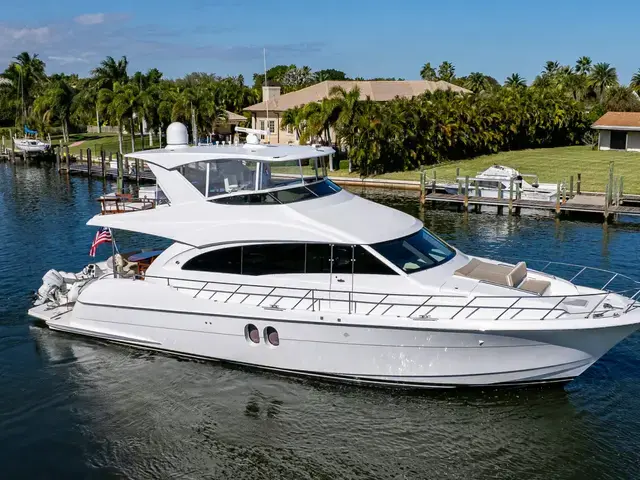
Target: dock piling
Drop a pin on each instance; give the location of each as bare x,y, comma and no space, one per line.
89,162
558,199
103,160
466,191
120,172
510,196
571,186
422,187
621,190
578,184
137,166
433,182
104,165
58,164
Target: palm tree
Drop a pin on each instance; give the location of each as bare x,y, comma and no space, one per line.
635,81
515,81
56,103
446,71
602,77
293,119
111,71
25,72
106,75
551,67
477,82
427,72
583,65
120,104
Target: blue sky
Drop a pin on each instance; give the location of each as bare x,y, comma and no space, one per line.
363,38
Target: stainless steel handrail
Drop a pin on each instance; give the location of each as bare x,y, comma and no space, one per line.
389,302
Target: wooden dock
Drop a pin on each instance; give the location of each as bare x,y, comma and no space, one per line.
96,171
594,204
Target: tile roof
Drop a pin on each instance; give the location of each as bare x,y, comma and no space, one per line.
618,119
379,90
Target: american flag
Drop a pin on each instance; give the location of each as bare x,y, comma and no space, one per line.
102,236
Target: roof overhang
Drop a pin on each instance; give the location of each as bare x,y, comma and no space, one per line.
615,127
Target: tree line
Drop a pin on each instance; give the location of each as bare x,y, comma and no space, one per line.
557,109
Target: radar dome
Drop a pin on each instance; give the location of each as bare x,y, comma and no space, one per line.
177,135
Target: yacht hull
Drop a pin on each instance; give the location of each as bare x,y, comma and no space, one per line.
339,346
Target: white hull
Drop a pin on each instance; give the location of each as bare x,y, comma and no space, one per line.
353,348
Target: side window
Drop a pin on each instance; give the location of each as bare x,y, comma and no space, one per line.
196,174
273,259
225,260
367,264
342,259
318,256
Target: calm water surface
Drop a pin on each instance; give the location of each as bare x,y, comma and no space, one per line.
75,408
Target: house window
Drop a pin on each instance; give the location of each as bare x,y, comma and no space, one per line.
272,126
262,128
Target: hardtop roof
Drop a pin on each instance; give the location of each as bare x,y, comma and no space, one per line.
174,157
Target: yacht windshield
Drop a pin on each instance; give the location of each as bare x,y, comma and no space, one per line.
416,252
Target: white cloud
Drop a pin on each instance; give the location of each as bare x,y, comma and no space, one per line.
65,60
38,35
90,18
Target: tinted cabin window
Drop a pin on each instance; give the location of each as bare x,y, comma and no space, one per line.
367,264
416,252
318,256
226,260
273,259
342,258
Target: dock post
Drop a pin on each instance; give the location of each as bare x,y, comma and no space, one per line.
578,184
511,196
466,191
500,190
137,165
120,172
58,164
422,187
606,203
558,199
459,187
103,160
12,152
89,162
82,159
620,190
571,186
611,184
67,156
457,172
433,183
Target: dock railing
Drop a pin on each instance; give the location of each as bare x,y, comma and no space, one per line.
519,306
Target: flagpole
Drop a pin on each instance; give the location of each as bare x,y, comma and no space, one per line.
113,253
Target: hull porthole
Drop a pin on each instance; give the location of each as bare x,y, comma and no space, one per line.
251,333
271,336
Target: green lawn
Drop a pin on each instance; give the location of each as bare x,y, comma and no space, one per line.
108,142
550,164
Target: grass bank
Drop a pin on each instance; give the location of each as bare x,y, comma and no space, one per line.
105,141
550,164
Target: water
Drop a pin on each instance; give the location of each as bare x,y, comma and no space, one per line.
75,408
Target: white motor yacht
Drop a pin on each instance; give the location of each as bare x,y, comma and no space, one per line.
31,145
497,180
271,265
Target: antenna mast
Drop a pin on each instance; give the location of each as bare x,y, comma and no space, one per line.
266,84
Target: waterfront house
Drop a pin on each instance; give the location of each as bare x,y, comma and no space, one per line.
618,131
267,114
